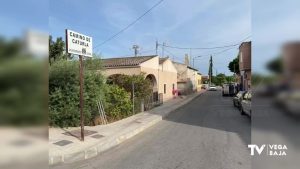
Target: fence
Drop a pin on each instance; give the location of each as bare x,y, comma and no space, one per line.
153,101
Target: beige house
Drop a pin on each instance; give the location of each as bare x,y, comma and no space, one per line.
198,81
186,78
160,71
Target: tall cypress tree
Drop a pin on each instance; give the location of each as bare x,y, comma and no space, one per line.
210,71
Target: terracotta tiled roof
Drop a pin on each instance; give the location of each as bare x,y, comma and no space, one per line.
126,61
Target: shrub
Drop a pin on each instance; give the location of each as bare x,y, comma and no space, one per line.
64,93
118,103
142,86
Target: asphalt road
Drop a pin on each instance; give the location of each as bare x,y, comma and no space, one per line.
207,133
274,125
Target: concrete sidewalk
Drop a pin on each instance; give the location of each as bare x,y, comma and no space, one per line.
67,148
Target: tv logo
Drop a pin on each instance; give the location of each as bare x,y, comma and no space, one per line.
272,149
258,149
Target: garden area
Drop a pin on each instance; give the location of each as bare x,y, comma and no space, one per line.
116,93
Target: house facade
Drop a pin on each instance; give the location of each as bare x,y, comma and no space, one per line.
186,78
198,81
291,63
245,66
160,71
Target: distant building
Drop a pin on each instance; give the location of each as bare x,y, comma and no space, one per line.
291,63
245,66
160,71
186,78
198,81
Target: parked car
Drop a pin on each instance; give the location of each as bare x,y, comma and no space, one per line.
238,98
289,100
212,88
246,104
228,89
204,86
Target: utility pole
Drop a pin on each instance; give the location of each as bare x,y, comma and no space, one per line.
136,48
156,46
194,59
132,98
163,48
190,56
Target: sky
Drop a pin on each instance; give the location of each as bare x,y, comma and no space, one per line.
188,23
273,25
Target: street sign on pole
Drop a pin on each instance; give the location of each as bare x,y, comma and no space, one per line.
81,82
81,45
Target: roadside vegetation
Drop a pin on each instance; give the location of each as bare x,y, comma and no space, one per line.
115,94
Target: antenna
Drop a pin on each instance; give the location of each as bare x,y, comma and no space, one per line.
135,48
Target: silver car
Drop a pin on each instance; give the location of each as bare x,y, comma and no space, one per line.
237,99
246,104
212,88
289,100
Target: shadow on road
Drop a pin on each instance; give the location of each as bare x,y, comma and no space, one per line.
211,110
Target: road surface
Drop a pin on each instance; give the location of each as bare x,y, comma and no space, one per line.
207,133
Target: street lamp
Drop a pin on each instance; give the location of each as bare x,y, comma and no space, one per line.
194,59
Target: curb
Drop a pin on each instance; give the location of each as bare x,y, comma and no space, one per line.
116,140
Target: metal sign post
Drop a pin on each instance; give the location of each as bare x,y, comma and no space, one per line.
82,45
81,96
132,98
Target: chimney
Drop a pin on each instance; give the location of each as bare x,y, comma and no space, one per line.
186,59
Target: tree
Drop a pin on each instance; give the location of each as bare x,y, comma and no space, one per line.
230,79
210,71
275,65
9,49
56,50
23,86
64,93
219,79
118,103
142,86
233,66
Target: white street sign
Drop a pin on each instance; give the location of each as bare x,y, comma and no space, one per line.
78,43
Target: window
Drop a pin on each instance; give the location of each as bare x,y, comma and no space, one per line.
165,88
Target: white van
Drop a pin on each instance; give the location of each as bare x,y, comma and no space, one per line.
228,89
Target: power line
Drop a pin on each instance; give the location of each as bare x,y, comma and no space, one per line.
216,53
147,51
132,23
173,56
130,54
215,47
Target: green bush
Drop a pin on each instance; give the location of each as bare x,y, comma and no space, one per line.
64,93
116,97
142,86
118,103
